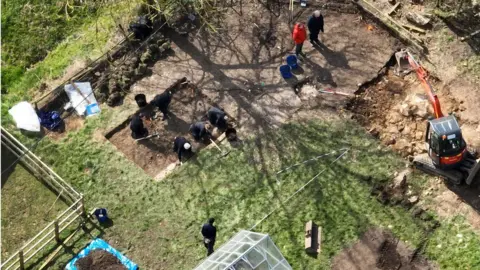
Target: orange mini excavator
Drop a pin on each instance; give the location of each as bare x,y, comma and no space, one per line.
447,154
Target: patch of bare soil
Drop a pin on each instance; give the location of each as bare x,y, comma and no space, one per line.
71,123
395,110
99,259
155,154
380,250
450,200
238,67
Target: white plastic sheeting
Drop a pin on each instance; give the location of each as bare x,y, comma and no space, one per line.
79,102
25,116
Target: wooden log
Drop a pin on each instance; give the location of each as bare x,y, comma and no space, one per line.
392,10
413,28
401,32
313,236
417,19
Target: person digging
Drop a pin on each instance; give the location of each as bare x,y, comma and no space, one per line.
162,101
218,118
182,147
137,127
315,25
200,131
209,233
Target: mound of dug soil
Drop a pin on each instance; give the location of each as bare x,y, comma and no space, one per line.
99,260
395,110
379,250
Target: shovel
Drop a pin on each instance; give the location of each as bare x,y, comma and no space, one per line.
331,91
222,153
148,137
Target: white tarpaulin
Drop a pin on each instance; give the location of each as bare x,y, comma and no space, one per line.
80,101
25,116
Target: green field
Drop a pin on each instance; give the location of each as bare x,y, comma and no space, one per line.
25,200
157,223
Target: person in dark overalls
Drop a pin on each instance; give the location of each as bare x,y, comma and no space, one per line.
182,147
315,25
209,233
162,101
217,117
137,127
199,131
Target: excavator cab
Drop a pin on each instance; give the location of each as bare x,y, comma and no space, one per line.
445,144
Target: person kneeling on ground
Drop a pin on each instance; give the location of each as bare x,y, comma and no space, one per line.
217,117
315,25
162,101
136,125
182,147
209,233
199,131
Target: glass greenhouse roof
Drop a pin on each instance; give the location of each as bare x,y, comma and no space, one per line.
246,250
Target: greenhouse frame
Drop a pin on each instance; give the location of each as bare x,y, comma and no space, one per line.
246,251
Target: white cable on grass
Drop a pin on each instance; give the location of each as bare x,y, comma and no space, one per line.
298,190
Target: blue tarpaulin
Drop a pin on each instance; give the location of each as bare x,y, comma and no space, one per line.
100,244
50,120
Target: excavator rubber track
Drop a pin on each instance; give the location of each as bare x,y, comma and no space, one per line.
466,172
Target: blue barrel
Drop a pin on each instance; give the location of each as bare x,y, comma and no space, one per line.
286,71
292,61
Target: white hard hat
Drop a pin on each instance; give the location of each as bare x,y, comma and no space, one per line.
317,13
187,146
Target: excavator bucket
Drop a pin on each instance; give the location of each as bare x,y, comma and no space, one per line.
403,66
474,173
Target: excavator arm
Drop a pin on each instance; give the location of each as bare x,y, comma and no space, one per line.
423,77
465,167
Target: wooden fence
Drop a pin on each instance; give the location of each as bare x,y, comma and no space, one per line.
65,220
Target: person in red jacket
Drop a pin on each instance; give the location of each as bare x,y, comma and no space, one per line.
299,36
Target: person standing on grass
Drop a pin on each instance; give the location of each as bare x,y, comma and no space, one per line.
209,233
315,25
299,36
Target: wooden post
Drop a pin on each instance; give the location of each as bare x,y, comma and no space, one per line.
20,259
57,231
127,38
84,214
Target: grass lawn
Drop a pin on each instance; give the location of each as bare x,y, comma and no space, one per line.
87,42
157,224
25,200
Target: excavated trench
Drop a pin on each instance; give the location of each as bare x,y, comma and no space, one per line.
395,108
